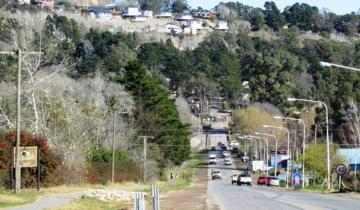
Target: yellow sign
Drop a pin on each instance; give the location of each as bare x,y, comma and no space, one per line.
28,156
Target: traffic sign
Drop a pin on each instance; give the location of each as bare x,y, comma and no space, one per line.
296,179
341,169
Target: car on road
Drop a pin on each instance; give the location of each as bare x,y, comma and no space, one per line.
216,174
234,178
219,144
227,161
225,154
244,179
212,159
213,148
263,180
274,181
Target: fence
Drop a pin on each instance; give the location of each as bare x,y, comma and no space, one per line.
155,197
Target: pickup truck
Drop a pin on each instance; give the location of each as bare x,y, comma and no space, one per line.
244,179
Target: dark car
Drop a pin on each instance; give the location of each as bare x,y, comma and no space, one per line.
213,148
219,144
263,180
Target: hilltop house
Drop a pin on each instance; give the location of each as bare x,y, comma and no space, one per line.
131,12
164,14
222,25
184,16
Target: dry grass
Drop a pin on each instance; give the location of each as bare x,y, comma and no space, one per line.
94,204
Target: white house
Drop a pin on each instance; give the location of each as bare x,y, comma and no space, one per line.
164,15
195,24
139,19
24,1
147,13
184,17
131,12
222,25
172,28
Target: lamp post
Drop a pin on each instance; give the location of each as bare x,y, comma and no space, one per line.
288,149
327,132
276,145
267,150
304,142
244,138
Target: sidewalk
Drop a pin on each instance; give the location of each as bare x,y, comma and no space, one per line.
49,201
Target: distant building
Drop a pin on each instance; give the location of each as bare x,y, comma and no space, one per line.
45,3
173,28
184,17
23,1
353,157
195,24
164,14
147,13
139,19
222,25
131,12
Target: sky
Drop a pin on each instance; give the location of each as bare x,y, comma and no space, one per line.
336,6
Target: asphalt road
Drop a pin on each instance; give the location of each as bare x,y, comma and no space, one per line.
234,197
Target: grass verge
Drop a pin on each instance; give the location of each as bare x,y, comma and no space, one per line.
94,204
10,198
186,174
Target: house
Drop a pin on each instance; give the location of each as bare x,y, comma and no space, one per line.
23,1
131,12
195,24
173,28
139,19
100,12
164,14
222,25
147,13
184,16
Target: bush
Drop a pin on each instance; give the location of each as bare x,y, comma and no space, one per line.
49,163
105,155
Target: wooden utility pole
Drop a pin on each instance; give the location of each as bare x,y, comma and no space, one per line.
145,138
18,53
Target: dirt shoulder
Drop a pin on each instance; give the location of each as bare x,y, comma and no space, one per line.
193,197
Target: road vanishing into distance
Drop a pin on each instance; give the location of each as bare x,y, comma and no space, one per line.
233,197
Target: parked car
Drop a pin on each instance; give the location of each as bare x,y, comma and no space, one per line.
244,179
263,180
213,148
216,174
274,181
219,144
212,159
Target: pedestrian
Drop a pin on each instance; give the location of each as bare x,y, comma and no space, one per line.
171,175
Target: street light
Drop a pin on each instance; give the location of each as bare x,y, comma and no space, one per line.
326,64
244,138
276,145
327,132
267,150
288,149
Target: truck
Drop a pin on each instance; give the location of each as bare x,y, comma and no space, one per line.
244,179
256,165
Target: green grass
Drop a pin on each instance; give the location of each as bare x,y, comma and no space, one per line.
9,198
316,188
93,204
186,174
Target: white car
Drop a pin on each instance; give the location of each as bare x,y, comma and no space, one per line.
274,181
225,154
212,159
234,143
244,179
234,178
227,161
216,174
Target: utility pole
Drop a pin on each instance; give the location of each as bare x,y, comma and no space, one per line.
145,138
315,135
18,53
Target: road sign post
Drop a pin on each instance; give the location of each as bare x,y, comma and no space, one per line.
341,171
297,179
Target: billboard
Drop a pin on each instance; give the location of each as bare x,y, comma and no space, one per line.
28,156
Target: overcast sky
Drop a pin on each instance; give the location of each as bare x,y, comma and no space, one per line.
336,6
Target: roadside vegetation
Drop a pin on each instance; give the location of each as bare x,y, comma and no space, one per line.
94,204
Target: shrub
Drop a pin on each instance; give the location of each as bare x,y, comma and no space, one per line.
49,163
